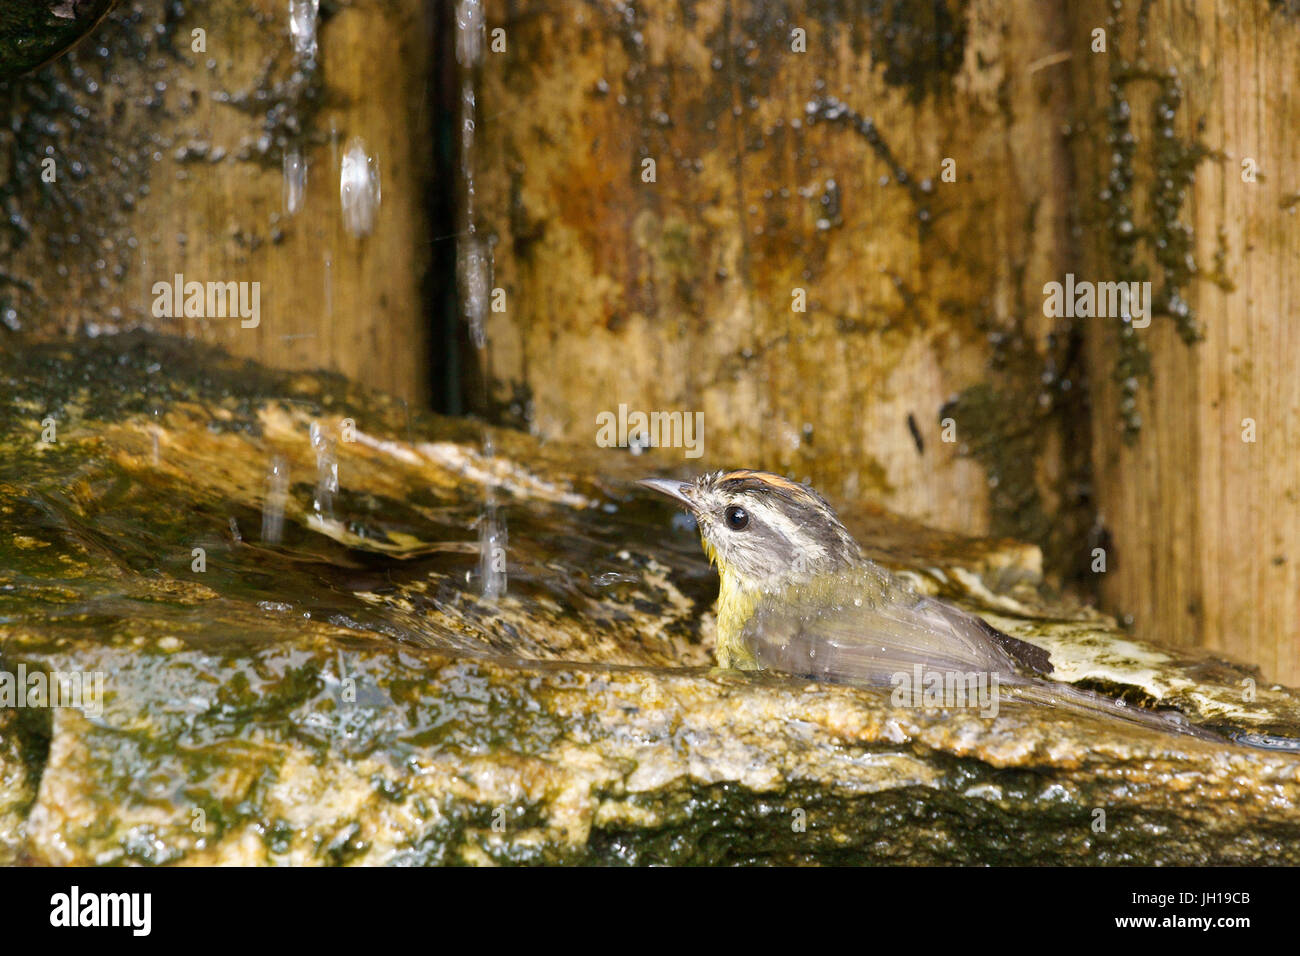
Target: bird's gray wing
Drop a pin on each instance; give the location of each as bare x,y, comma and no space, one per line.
864,626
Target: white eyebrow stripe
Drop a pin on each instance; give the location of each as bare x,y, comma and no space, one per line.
778,521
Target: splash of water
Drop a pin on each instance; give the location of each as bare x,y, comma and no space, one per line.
277,494
492,542
474,275
327,473
359,189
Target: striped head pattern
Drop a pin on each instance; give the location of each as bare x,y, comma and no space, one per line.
761,529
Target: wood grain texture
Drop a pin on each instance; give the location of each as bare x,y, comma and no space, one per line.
203,133
1205,525
677,294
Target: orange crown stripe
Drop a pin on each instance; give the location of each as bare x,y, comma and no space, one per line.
766,477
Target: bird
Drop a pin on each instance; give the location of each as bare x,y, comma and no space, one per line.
797,595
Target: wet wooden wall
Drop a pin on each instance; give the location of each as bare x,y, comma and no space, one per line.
1153,465
839,245
1203,505
825,227
168,130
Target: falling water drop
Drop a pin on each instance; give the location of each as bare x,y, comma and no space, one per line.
406,411
327,276
492,537
474,275
471,28
327,473
148,282
302,27
475,268
359,190
277,494
492,552
295,180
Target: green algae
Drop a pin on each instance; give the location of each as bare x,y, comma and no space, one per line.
1130,240
1004,424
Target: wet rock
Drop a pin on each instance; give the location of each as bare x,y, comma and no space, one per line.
346,694
34,31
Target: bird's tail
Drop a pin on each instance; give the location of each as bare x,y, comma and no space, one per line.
1068,697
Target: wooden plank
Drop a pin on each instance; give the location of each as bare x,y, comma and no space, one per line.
1205,525
677,294
182,152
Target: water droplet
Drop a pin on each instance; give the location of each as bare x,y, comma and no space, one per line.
359,190
610,578
295,180
302,27
470,31
327,472
475,269
492,540
277,493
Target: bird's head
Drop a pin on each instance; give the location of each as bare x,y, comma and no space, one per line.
762,530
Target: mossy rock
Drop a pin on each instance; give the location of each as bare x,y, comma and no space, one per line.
33,32
346,694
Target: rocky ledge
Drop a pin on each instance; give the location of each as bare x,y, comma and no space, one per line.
345,689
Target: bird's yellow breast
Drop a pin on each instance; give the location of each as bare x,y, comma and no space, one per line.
735,605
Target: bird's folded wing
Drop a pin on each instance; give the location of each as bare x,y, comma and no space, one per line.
870,629
864,628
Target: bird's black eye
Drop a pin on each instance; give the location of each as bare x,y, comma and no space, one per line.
737,517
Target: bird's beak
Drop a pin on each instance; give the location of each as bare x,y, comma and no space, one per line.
678,490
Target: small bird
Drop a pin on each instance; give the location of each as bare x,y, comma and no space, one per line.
797,595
